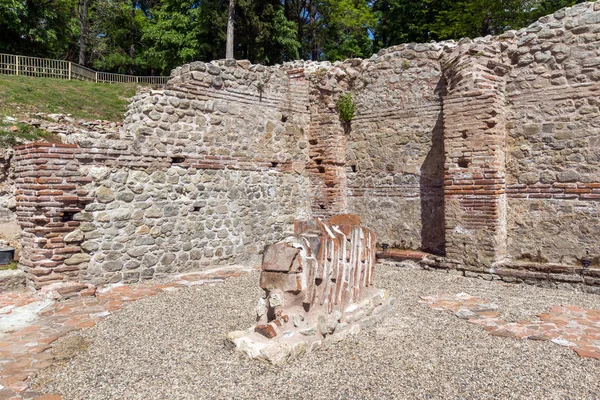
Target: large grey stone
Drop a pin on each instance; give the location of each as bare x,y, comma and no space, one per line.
105,194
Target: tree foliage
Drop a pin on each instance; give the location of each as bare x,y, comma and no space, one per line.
154,36
423,20
38,27
344,28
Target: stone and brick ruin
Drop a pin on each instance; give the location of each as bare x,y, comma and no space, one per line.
484,154
318,287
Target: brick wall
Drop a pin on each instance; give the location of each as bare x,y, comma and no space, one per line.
49,196
474,136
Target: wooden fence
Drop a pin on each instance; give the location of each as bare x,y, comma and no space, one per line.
11,64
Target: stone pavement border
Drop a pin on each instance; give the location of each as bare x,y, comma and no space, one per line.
570,326
23,353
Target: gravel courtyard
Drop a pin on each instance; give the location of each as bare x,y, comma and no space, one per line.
170,346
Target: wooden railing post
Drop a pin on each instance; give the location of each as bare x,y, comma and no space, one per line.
70,69
96,77
17,64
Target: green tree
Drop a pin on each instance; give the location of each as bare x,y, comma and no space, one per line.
332,29
343,29
401,21
83,13
476,18
285,36
404,21
42,28
183,31
546,7
263,33
116,35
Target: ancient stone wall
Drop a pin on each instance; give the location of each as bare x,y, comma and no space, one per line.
203,173
553,146
483,152
395,159
9,227
474,137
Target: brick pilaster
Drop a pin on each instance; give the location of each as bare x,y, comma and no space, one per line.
327,153
48,198
474,143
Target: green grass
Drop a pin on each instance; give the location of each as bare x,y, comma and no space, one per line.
12,134
22,95
13,265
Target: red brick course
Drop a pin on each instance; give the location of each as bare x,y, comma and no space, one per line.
589,191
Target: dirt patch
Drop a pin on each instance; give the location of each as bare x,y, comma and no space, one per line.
68,347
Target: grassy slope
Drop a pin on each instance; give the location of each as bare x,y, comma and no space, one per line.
20,95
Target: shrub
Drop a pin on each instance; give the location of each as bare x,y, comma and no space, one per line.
346,106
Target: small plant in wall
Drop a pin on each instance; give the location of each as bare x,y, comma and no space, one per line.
260,86
321,72
346,106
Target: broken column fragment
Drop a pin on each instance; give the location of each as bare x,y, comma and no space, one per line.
318,287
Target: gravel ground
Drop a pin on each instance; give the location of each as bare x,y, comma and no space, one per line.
171,347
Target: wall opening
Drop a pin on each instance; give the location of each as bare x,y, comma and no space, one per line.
67,216
464,162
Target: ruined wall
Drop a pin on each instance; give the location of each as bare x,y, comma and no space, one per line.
474,138
483,152
387,165
232,135
395,155
553,146
201,174
9,227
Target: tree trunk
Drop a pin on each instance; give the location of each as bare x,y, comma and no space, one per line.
230,26
132,34
313,29
82,10
300,22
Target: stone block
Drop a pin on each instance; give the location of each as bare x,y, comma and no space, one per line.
76,259
280,280
12,280
279,257
105,194
73,237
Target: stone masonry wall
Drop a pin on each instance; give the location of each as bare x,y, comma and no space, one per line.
179,188
483,152
553,149
9,227
395,154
